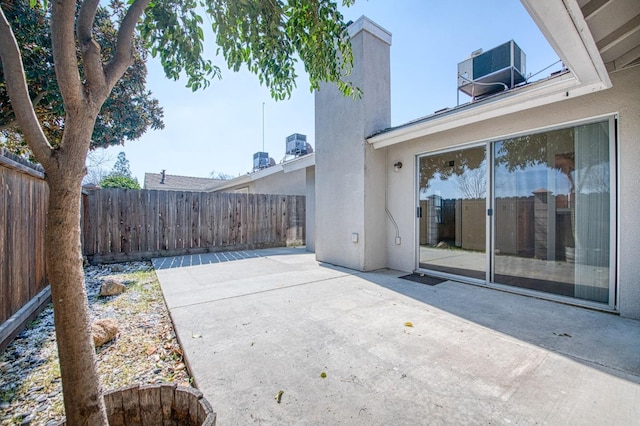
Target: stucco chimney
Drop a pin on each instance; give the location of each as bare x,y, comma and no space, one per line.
350,175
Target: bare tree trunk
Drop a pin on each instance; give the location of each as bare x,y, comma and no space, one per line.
83,400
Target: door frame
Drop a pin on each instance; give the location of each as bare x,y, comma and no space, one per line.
440,274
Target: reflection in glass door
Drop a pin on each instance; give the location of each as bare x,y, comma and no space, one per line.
551,195
553,212
452,224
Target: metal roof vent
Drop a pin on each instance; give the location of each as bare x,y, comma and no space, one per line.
496,70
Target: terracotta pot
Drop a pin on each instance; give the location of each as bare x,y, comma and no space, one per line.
161,404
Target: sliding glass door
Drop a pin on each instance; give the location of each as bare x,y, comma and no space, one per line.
453,188
536,213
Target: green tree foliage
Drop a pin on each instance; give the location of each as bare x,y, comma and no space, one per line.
120,176
267,37
455,163
126,114
121,166
118,181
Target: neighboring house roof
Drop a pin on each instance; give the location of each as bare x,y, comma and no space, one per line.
591,37
179,183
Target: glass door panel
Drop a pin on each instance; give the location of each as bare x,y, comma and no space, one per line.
552,212
452,226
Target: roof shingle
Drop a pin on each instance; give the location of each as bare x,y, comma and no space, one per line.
179,183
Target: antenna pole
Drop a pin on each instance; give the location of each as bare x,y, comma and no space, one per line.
263,127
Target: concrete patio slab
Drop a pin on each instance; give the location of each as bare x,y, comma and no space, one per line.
276,320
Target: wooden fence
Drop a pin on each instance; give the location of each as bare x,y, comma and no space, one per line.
123,225
23,283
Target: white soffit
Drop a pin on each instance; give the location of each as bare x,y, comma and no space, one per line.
564,27
299,163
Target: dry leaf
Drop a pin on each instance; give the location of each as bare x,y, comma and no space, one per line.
408,324
278,396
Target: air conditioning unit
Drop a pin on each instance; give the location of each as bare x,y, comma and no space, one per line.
297,145
495,70
260,160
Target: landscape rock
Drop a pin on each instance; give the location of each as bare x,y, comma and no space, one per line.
117,267
103,331
111,287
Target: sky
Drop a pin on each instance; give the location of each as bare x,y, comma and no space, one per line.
221,127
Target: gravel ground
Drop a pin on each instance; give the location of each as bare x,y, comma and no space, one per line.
145,351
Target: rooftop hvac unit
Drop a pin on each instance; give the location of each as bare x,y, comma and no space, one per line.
260,160
297,145
495,70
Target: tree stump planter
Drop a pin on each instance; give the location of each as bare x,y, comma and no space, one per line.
162,404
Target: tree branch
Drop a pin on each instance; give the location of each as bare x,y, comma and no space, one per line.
123,57
9,121
90,49
18,91
63,44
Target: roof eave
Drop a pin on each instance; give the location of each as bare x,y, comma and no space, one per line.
566,30
230,183
299,163
564,27
550,92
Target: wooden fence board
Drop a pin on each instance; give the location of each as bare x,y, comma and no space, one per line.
153,218
179,221
273,218
194,231
132,207
206,223
261,212
225,220
235,219
163,226
172,201
4,276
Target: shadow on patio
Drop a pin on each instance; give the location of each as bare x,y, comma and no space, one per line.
598,339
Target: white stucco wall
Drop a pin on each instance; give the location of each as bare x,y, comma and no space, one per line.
349,172
293,183
623,99
310,230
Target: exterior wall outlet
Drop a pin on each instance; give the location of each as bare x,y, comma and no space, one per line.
354,237
398,240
